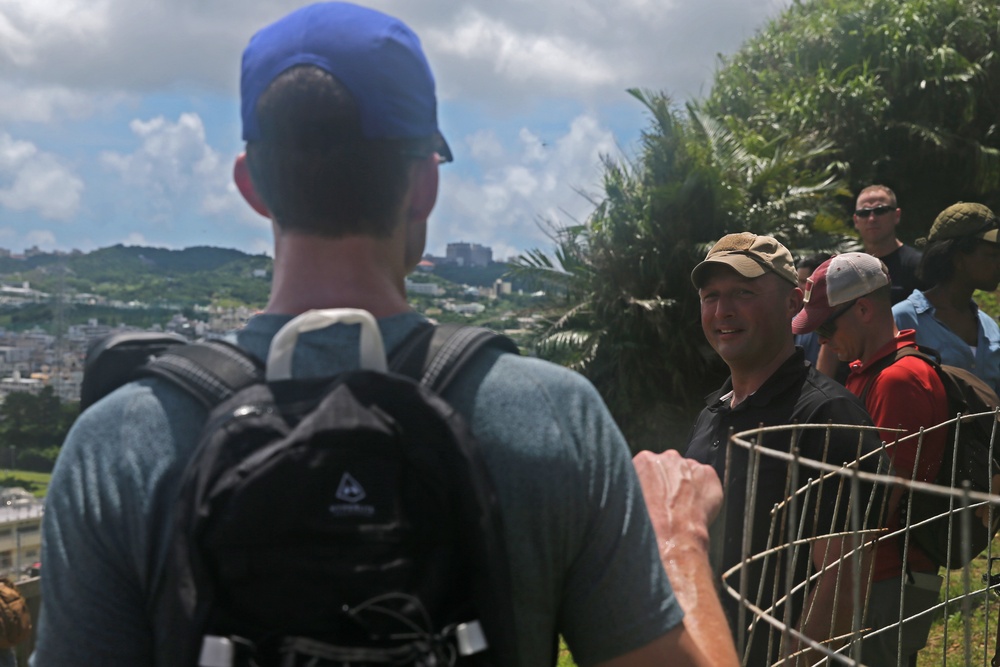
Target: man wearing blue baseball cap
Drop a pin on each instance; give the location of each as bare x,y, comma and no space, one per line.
343,150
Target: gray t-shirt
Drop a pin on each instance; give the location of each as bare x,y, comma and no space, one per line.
584,559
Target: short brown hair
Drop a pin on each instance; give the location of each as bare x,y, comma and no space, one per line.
313,169
876,187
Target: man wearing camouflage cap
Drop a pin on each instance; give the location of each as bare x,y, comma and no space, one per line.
962,255
749,294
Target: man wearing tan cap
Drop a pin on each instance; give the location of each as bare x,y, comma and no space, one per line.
848,302
749,295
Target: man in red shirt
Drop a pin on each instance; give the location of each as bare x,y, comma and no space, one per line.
848,303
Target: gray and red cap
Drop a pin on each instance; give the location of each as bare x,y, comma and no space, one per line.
835,284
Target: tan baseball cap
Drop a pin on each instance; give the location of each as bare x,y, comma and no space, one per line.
750,255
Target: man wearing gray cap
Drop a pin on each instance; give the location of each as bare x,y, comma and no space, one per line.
749,296
848,302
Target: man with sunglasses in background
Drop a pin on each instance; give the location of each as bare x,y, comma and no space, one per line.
876,216
847,302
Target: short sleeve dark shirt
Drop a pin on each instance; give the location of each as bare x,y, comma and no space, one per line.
902,264
795,393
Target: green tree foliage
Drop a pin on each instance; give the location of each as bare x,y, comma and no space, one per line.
155,276
625,312
36,426
43,316
907,90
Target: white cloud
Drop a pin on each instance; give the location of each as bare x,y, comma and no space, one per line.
40,237
259,246
510,63
135,238
31,179
523,56
519,190
29,28
500,53
44,104
484,145
175,166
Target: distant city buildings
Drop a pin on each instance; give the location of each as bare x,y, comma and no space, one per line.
20,530
22,294
35,251
429,289
34,359
467,254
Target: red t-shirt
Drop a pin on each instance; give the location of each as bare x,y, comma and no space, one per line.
907,395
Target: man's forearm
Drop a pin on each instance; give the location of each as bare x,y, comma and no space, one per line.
691,576
829,611
683,497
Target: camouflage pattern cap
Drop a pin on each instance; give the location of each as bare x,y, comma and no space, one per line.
750,255
963,219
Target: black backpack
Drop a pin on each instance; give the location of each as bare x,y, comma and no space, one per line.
968,462
336,521
114,360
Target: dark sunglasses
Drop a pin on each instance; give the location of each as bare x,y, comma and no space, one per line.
878,210
829,327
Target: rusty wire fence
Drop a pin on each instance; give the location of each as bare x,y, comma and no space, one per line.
803,590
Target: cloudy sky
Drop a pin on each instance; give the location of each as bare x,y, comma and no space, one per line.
119,118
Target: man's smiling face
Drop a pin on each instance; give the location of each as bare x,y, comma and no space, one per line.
747,320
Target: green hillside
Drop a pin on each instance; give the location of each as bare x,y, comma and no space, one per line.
192,276
166,282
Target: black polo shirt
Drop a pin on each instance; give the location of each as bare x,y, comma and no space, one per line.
795,394
902,264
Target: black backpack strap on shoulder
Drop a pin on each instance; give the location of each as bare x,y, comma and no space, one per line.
211,370
452,347
928,355
437,354
409,356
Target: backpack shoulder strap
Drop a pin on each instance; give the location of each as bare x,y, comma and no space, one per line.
113,361
928,355
437,354
211,370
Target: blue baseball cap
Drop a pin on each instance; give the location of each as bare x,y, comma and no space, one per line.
375,56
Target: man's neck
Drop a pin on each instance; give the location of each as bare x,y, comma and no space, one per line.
312,272
883,247
748,381
951,295
881,335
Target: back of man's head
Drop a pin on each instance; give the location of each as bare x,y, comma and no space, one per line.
837,283
337,102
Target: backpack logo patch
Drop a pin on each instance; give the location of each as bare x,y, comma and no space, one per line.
350,492
350,489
